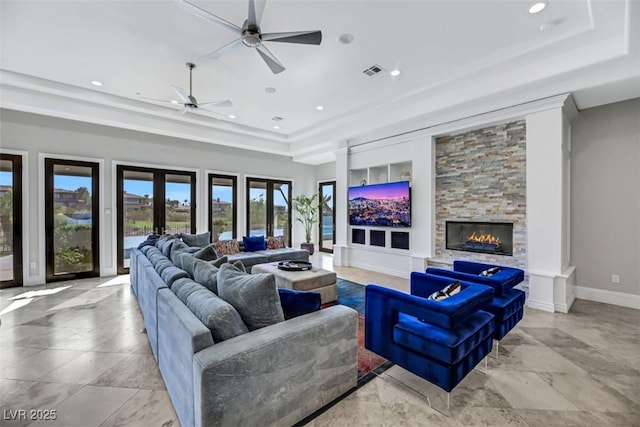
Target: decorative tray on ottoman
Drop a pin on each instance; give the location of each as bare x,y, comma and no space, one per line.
294,265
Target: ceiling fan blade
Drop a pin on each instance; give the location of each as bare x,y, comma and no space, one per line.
272,62
224,49
182,94
302,37
182,111
198,11
225,103
156,100
255,12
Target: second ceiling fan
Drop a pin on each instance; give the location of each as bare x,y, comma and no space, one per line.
251,35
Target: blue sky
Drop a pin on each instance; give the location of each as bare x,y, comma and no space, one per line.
71,182
6,178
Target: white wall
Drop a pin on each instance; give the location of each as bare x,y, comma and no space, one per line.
37,134
605,197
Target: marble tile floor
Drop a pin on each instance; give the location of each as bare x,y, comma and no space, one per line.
79,348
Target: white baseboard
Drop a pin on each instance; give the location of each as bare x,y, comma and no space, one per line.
540,305
564,308
608,297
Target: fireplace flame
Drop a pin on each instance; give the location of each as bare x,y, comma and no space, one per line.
483,238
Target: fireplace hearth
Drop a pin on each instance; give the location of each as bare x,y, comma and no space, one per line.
486,237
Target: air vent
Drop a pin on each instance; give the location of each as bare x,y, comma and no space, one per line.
277,119
373,70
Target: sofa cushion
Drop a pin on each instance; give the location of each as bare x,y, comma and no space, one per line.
255,296
162,265
178,247
206,274
275,242
227,247
254,243
208,253
173,273
219,316
296,303
249,258
165,242
196,240
285,254
148,250
155,256
185,287
218,262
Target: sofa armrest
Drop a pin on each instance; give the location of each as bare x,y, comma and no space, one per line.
446,313
284,372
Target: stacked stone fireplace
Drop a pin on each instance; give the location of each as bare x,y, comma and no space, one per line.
480,183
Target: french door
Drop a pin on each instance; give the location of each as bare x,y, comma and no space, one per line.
10,220
71,219
152,201
269,208
223,206
327,209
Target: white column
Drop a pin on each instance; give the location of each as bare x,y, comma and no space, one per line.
550,277
340,249
422,202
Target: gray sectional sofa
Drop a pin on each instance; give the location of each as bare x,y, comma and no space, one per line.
249,259
276,375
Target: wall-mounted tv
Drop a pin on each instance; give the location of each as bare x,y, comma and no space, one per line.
380,205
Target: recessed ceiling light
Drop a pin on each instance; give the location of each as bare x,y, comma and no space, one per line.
96,83
345,38
173,101
270,90
394,72
232,116
538,7
276,127
319,107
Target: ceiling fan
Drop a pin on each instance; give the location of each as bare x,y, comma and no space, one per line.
189,102
251,35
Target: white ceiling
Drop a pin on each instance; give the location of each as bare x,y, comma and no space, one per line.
455,57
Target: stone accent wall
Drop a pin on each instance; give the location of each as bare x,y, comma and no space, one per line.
481,176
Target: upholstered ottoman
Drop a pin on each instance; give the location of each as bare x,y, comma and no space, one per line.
316,280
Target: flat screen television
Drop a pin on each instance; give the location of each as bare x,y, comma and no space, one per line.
380,205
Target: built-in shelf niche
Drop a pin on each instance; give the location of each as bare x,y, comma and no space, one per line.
390,172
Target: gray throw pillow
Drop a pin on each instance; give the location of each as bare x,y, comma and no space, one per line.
218,262
240,266
208,253
178,247
219,316
206,274
165,242
197,240
254,296
189,263
185,287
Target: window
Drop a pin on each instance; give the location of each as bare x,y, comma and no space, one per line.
223,207
269,208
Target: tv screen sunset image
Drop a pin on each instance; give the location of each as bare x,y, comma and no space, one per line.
381,205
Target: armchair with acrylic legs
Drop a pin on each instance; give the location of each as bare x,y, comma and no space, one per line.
440,341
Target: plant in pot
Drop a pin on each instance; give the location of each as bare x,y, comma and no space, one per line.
307,208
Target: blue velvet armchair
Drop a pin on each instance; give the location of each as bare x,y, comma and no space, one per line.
440,341
507,305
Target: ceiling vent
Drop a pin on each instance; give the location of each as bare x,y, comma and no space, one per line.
277,119
373,70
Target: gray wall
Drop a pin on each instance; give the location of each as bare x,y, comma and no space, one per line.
37,134
605,196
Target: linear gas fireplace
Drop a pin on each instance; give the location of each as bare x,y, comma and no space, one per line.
486,237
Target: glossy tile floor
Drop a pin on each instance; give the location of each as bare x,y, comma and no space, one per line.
78,348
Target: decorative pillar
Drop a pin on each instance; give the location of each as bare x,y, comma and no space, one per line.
340,249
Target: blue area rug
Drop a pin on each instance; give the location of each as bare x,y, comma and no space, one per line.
351,294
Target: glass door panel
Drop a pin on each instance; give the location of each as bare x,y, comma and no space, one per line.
138,212
269,208
178,218
222,207
10,220
71,219
257,209
327,216
281,213
152,201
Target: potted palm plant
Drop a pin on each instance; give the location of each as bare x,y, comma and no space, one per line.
306,208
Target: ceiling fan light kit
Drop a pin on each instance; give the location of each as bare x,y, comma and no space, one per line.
251,36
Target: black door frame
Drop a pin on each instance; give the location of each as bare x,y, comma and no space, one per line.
333,210
49,224
234,201
159,193
18,268
270,183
